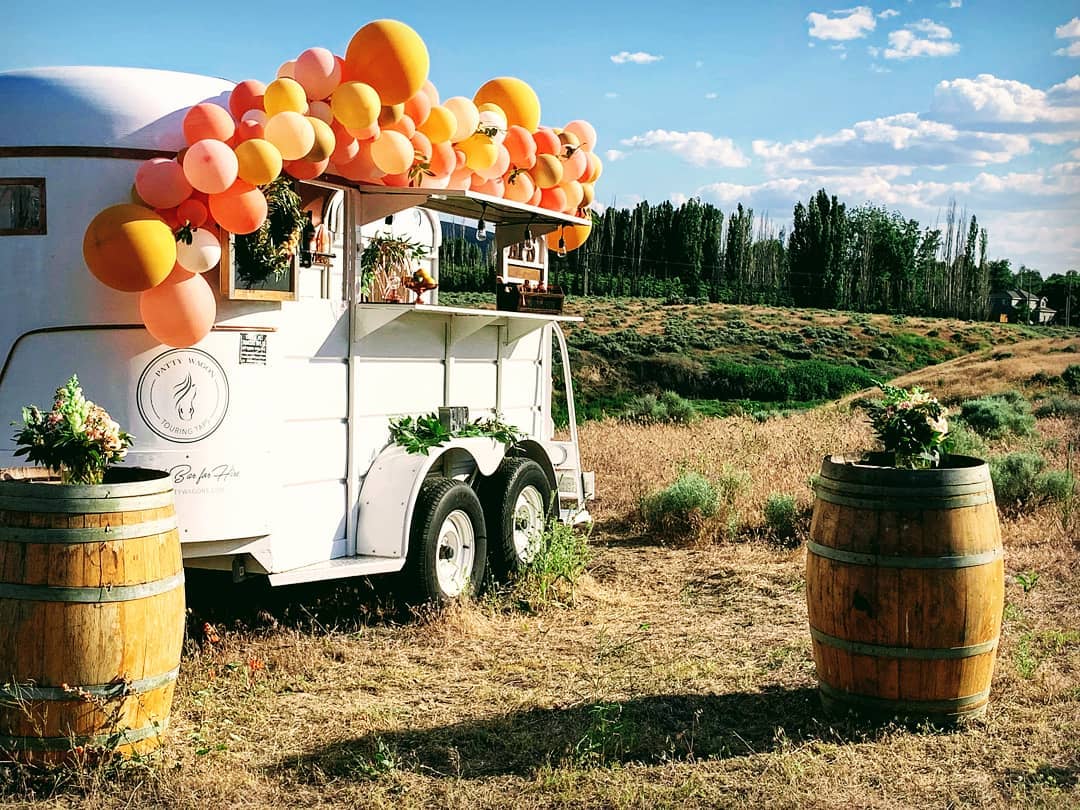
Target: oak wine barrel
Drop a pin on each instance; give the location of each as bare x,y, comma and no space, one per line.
91,613
905,587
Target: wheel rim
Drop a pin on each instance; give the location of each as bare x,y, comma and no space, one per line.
456,553
528,523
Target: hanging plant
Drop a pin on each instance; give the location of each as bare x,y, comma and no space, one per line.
267,254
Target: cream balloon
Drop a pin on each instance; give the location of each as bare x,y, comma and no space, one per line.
466,116
202,254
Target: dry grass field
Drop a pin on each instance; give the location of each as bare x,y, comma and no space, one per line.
678,673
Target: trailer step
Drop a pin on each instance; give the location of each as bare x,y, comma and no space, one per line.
339,568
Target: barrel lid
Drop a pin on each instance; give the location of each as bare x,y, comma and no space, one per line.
876,469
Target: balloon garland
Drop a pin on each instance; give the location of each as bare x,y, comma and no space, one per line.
371,117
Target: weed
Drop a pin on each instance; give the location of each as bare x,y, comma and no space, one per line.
781,515
608,737
999,415
1034,648
682,505
1027,580
1057,405
1071,377
555,570
1019,481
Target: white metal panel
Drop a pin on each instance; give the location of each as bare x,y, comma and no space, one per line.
472,383
403,387
314,521
321,386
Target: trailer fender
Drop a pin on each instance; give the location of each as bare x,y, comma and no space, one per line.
392,484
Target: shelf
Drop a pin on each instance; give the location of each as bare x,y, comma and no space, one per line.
370,318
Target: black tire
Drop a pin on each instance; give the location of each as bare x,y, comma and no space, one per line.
438,547
499,494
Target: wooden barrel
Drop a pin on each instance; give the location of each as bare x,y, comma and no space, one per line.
905,588
91,613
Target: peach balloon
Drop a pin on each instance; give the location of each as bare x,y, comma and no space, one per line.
284,95
431,91
521,146
161,183
465,114
493,187
404,125
306,169
179,314
192,212
259,161
461,179
391,57
547,173
129,247
547,142
249,129
356,105
345,145
367,133
596,168
259,116
400,180
575,166
202,254
177,275
516,98
585,133
208,120
554,199
392,152
324,141
443,160
519,187
421,147
574,195
418,107
248,95
241,209
362,168
210,166
440,124
287,70
318,72
291,133
322,111
536,197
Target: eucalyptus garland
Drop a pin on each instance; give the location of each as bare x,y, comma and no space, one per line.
267,254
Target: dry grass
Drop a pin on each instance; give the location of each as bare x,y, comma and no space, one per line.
680,675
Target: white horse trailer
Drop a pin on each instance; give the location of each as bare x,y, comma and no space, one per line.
275,427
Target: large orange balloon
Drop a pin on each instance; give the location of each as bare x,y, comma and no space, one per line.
573,237
547,142
318,72
521,146
515,98
248,95
519,187
440,124
259,161
241,209
391,57
210,166
161,183
179,314
392,152
208,120
356,105
291,133
129,248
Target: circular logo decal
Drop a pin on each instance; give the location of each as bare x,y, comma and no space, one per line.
183,395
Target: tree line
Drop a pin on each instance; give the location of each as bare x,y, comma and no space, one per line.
864,258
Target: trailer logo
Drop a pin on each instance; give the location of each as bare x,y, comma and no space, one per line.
183,395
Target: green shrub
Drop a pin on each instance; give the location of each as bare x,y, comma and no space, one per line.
1055,486
683,503
1019,481
1058,406
563,557
999,415
668,407
781,515
963,441
1071,377
802,381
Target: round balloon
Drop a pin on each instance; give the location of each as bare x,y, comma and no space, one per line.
356,105
179,314
285,95
259,161
129,248
202,254
210,166
392,152
241,209
248,95
291,133
585,132
318,72
192,212
554,198
573,237
515,98
440,124
465,115
575,165
547,142
521,146
547,173
208,120
519,187
391,57
324,141
161,183
322,111
418,107
306,169
481,151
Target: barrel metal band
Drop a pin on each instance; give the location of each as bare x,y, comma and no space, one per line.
921,654
958,705
890,561
106,691
17,503
109,741
97,534
108,593
890,504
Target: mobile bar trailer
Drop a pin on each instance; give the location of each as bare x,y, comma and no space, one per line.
275,427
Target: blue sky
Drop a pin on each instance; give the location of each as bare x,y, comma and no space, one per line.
905,103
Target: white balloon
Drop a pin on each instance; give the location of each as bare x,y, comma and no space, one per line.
491,120
202,254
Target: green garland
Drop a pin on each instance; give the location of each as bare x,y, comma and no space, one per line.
268,253
419,435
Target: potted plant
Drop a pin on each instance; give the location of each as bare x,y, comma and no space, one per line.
387,262
904,572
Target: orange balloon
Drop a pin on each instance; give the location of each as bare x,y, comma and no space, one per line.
322,111
596,168
391,114
241,209
306,169
554,198
421,147
356,105
515,98
499,167
249,129
318,72
418,107
248,95
362,168
210,166
161,183
259,161
208,120
404,125
431,92
573,237
400,180
519,187
493,187
575,166
521,146
391,57
461,179
443,160
536,197
192,212
179,314
324,141
547,142
585,132
291,133
440,124
285,95
465,114
367,133
547,173
392,152
129,248
177,275
345,145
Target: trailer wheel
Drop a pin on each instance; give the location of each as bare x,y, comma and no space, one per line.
517,502
447,542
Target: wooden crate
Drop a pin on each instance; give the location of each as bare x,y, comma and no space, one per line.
512,298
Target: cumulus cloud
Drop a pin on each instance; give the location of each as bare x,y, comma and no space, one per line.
907,44
889,12
989,102
1069,30
932,29
697,148
850,24
637,58
955,3
712,96
611,155
1073,49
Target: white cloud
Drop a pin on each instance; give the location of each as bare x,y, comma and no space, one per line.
698,148
840,47
638,58
1069,30
611,94
956,3
904,44
850,24
889,12
611,155
1072,50
1003,104
711,96
932,29
876,68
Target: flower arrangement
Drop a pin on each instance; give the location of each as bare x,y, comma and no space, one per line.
912,425
77,439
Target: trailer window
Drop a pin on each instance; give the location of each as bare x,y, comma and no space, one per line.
22,206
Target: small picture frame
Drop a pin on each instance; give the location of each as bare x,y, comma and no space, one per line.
254,283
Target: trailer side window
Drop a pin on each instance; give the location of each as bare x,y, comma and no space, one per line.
22,206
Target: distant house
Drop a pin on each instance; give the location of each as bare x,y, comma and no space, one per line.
1014,306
